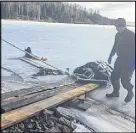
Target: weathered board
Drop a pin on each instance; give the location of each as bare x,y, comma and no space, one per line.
45,86
16,102
15,116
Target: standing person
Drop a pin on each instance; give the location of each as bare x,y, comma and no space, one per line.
124,47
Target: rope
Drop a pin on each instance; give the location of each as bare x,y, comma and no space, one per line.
30,54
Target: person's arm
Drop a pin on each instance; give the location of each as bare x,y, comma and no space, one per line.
132,42
113,51
132,64
133,46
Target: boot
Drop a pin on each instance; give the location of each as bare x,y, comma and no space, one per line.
129,96
113,94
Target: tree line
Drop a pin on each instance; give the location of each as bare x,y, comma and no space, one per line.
60,12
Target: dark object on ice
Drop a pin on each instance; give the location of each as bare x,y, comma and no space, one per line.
29,51
113,94
2,110
47,71
83,105
97,71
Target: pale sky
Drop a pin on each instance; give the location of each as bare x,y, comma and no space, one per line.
112,9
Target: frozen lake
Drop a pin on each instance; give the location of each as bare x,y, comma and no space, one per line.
65,46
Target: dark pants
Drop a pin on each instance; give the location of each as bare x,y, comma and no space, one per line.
122,71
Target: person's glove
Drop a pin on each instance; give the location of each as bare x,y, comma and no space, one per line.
110,59
132,64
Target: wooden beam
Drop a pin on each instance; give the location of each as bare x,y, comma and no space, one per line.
26,91
13,117
14,103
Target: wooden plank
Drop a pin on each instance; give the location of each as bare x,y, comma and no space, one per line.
10,98
12,117
21,92
27,91
16,102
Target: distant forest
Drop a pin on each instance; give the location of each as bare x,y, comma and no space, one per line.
57,12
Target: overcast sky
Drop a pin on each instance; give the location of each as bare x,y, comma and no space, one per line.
112,9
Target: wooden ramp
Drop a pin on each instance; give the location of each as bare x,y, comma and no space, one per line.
15,116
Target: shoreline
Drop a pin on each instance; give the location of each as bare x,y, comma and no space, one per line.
37,21
26,20
49,22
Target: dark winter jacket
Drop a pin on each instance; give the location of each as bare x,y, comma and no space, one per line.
124,45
